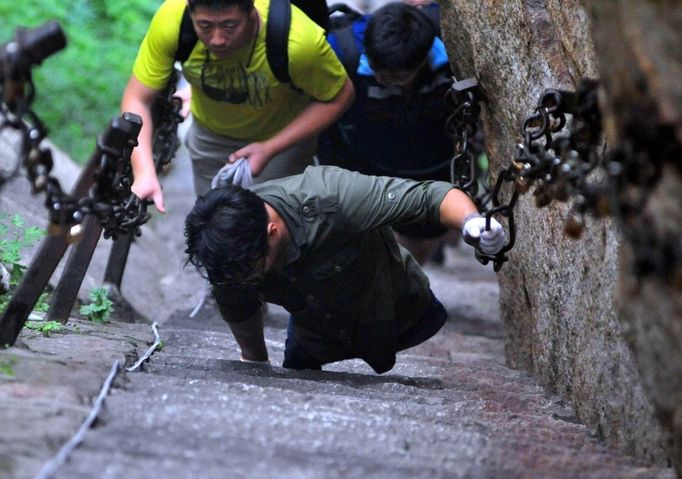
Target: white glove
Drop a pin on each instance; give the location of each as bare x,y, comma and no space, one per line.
237,173
488,241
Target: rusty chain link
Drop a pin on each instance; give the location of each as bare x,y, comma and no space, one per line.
166,117
465,171
561,167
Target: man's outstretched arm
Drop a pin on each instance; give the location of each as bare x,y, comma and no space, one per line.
138,98
455,208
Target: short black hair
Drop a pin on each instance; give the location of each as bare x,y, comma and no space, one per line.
226,233
398,37
244,5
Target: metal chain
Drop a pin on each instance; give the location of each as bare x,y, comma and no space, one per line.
560,168
465,172
166,117
110,199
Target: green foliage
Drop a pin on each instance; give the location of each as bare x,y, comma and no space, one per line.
7,365
100,308
43,303
45,327
15,236
79,88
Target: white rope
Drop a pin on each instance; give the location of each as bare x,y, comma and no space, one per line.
205,291
53,464
150,351
50,468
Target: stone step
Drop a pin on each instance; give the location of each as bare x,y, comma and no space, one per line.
195,410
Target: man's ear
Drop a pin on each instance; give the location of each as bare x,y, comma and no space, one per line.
273,229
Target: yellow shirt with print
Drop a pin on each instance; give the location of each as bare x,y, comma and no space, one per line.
239,97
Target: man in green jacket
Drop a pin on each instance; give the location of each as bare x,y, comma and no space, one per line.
320,245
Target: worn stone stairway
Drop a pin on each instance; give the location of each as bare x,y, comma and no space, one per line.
449,409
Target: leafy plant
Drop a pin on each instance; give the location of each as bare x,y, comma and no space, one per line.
15,236
43,303
100,308
7,365
45,327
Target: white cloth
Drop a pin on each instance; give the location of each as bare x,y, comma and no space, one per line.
237,173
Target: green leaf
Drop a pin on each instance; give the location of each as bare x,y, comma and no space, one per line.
7,365
17,221
45,327
43,303
100,309
33,234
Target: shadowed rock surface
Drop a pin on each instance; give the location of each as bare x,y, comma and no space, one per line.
450,408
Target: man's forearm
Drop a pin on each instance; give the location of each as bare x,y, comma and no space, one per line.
138,99
249,336
142,159
456,206
313,120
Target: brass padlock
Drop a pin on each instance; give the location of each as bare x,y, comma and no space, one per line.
574,226
521,184
75,234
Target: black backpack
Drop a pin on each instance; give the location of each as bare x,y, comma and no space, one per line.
276,37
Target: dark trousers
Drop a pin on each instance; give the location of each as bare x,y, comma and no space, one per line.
296,357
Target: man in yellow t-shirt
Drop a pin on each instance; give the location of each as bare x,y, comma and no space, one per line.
239,108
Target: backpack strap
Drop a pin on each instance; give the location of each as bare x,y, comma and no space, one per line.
277,39
187,38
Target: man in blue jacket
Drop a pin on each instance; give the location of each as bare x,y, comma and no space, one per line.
401,73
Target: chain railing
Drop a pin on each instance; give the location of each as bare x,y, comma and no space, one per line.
572,166
465,172
101,202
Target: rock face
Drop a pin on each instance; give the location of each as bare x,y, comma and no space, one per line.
640,65
608,353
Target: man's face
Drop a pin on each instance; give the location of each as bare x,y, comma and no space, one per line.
398,77
248,281
403,78
225,30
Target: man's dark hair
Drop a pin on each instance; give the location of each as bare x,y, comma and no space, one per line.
226,233
244,5
398,37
